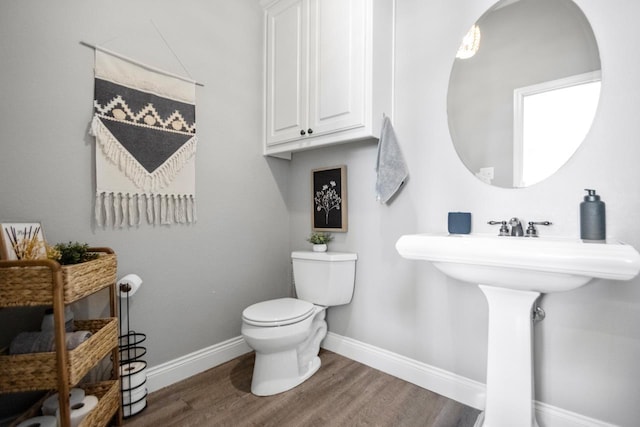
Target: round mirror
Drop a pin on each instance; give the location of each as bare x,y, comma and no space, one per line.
523,90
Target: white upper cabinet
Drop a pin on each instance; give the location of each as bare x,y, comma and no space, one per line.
328,72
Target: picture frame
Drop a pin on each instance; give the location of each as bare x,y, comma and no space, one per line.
329,199
22,240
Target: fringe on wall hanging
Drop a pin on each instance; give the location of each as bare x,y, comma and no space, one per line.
145,130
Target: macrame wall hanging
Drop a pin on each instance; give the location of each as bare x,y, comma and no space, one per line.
145,130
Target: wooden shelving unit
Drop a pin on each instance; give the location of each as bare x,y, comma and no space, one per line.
47,283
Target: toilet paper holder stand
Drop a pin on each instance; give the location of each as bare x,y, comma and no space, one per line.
133,386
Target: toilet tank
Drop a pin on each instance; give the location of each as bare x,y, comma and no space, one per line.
324,278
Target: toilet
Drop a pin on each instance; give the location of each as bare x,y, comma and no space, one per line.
286,332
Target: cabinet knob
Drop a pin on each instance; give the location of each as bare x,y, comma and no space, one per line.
309,131
302,132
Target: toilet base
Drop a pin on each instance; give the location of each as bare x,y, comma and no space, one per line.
282,367
276,381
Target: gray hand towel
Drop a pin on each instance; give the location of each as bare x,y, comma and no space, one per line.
38,342
391,167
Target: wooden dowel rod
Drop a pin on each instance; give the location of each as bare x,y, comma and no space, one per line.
133,61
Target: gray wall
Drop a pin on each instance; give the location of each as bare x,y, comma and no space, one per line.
197,278
196,282
588,347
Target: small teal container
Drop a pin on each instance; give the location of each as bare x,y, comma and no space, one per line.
459,222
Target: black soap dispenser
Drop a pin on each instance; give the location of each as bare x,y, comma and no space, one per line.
592,218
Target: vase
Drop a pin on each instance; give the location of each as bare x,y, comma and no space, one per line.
320,247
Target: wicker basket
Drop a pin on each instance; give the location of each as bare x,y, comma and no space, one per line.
108,394
38,371
30,283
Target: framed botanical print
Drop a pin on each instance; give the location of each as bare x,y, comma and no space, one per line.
22,241
329,199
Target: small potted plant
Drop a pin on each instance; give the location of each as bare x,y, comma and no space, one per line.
71,253
319,241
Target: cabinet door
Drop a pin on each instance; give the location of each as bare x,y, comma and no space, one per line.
337,76
286,96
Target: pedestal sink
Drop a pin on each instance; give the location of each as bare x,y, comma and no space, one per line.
512,272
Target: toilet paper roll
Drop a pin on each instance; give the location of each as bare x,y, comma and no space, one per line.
133,374
80,410
51,404
129,410
129,285
43,421
129,397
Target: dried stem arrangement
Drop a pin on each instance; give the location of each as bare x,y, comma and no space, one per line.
28,245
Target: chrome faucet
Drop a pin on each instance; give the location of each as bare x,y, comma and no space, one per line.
516,227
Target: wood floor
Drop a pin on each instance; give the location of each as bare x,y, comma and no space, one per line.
342,393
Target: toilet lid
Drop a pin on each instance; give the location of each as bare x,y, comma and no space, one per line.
277,312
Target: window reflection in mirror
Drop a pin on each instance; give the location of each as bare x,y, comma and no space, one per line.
550,122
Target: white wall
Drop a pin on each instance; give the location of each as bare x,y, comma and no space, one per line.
587,349
197,278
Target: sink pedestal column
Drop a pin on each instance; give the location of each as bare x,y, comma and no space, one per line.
509,400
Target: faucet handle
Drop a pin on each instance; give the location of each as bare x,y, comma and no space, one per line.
504,230
531,229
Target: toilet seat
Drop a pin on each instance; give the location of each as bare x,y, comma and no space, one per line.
277,312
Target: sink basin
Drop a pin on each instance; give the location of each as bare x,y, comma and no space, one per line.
541,264
512,272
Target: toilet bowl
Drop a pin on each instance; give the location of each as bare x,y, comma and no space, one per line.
286,332
286,349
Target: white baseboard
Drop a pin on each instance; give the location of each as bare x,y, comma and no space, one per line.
179,369
552,416
456,387
445,383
